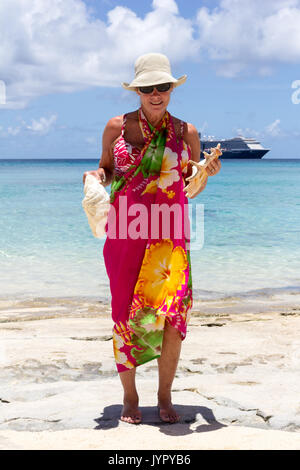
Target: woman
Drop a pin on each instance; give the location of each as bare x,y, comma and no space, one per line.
144,158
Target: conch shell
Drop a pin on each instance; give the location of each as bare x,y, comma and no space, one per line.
199,176
96,204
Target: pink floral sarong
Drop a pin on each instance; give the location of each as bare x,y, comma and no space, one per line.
147,249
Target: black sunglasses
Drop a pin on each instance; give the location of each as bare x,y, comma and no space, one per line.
149,89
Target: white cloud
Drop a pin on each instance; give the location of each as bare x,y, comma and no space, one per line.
13,130
42,126
248,132
57,46
168,5
243,35
271,130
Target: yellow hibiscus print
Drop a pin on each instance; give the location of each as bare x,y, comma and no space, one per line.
168,172
170,194
162,273
151,187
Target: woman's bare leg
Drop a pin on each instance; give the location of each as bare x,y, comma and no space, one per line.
167,365
130,412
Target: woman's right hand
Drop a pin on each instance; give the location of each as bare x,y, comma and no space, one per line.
99,174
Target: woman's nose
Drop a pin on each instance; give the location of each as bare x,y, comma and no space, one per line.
155,92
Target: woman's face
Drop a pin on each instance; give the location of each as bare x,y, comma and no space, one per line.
155,103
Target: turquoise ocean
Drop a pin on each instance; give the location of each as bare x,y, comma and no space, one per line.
251,231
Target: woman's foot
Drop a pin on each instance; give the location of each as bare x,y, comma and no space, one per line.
130,412
167,412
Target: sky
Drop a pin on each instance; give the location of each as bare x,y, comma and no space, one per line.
62,64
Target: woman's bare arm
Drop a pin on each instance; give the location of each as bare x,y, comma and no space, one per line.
191,138
105,171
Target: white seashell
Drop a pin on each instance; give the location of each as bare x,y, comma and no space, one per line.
96,205
199,174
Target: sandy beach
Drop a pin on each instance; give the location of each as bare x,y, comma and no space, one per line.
237,384
141,94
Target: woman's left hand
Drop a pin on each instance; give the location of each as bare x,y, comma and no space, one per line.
213,167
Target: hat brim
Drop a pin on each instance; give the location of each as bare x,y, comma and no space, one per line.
153,78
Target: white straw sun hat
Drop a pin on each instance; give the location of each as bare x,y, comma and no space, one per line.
152,69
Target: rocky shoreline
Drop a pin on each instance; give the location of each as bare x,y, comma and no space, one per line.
238,376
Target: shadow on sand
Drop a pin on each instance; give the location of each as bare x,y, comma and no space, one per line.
110,418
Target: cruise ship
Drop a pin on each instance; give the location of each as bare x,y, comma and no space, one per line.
238,147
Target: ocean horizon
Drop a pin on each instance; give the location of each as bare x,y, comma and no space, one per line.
251,231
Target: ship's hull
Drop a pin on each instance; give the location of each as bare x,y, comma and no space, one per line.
237,148
243,154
